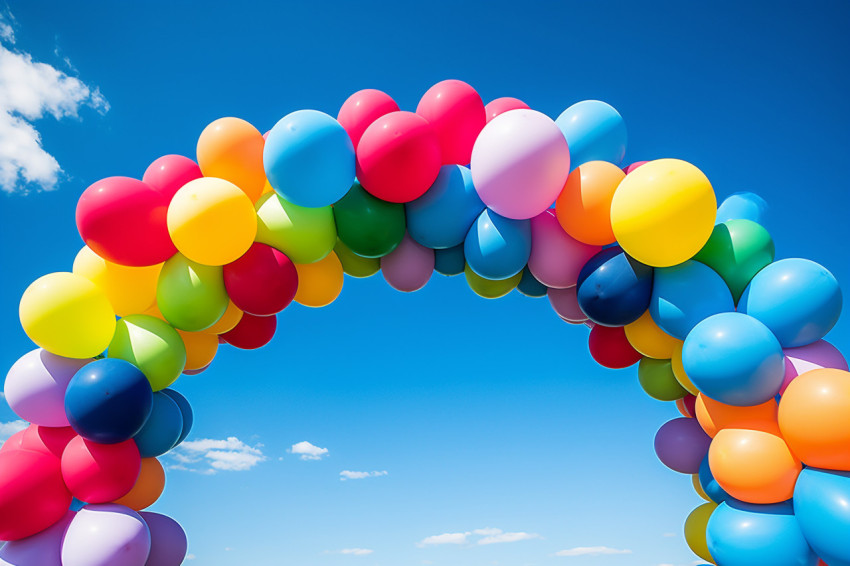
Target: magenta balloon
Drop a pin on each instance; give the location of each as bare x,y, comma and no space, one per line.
170,172
681,444
42,549
106,535
629,168
502,105
820,354
168,540
556,257
361,109
408,267
565,303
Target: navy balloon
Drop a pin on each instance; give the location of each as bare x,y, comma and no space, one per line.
185,411
821,502
613,288
530,287
163,428
497,247
441,217
449,261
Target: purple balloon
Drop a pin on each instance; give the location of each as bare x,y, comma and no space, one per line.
106,535
44,548
820,354
681,444
408,267
168,541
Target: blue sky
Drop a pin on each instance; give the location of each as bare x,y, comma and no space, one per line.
489,418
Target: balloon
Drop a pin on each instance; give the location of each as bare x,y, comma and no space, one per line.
565,304
695,526
687,404
715,416
35,386
737,250
32,493
799,301
129,290
47,440
681,444
814,415
610,347
529,286
584,206
108,401
369,226
595,131
556,258
398,157
201,348
185,411
123,221
148,487
457,115
106,535
657,380
355,265
99,473
408,267
686,294
679,370
497,247
252,332
614,289
309,159
629,168
734,358
490,288
742,206
698,488
168,541
170,172
151,345
232,149
753,465
663,212
320,283
442,216
191,296
709,485
820,354
231,317
645,337
520,163
262,282
502,105
820,504
162,429
67,315
43,549
305,235
212,221
450,261
361,109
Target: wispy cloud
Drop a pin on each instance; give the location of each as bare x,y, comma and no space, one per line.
500,537
7,27
190,557
206,456
308,451
352,551
479,537
349,475
591,551
445,538
10,428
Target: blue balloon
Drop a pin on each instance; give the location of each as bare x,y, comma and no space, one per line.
186,412
595,131
735,359
442,216
613,288
798,299
744,534
497,247
450,261
309,159
709,484
746,206
76,504
108,401
685,294
530,287
163,429
822,504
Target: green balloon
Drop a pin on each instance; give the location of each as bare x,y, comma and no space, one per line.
355,265
152,345
737,250
657,379
305,235
189,295
369,226
490,288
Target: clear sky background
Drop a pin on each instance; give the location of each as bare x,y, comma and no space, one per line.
492,423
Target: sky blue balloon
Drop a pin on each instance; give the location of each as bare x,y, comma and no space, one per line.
530,287
821,502
798,299
497,247
735,359
449,261
185,411
709,484
685,294
309,159
747,206
442,216
744,534
163,428
613,288
595,131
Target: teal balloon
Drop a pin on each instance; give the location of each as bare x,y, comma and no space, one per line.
185,411
709,485
162,429
496,247
530,286
821,502
441,217
743,206
449,261
595,131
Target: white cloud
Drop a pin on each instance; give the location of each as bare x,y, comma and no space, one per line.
357,551
591,551
308,451
7,27
190,557
488,536
206,456
445,538
500,537
349,475
10,428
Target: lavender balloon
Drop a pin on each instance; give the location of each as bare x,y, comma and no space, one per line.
408,267
820,354
43,549
168,541
106,535
681,444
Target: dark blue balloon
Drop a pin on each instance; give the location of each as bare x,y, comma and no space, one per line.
450,261
531,287
108,401
163,428
441,217
497,247
613,288
821,502
185,410
709,484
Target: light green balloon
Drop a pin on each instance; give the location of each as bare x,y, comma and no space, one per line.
189,295
152,345
490,288
355,265
305,235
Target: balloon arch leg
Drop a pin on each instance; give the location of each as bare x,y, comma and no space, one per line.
207,252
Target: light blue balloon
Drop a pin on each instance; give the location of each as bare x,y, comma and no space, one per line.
798,299
530,286
497,247
685,294
441,217
735,359
744,534
595,131
309,159
163,428
450,261
746,206
822,504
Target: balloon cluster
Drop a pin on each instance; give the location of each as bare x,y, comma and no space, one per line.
208,252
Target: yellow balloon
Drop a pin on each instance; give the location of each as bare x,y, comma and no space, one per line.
645,337
698,487
679,371
228,320
201,348
211,221
663,212
130,290
67,315
319,283
695,526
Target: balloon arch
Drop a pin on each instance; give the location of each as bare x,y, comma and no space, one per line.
199,254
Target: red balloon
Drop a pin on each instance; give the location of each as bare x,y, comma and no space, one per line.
262,282
361,109
502,105
170,172
398,157
123,220
457,113
32,493
47,440
251,332
100,473
610,347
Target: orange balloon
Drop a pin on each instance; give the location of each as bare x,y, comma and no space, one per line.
319,283
714,416
584,205
232,149
148,488
753,466
814,415
228,320
201,348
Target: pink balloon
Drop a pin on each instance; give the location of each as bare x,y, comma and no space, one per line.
99,473
170,172
361,109
502,105
520,163
32,493
457,113
556,257
168,540
820,354
408,267
565,303
14,441
43,549
47,440
629,168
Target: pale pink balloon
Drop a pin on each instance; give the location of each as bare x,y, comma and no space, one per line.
502,105
361,109
820,354
556,257
408,267
565,303
456,112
